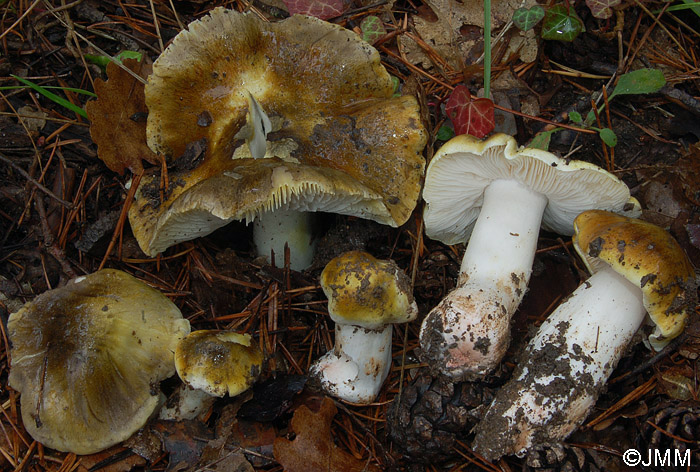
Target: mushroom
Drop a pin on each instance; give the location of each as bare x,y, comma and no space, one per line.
638,269
212,363
497,196
265,122
87,359
365,296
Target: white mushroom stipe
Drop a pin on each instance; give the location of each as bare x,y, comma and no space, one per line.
358,365
186,403
565,366
495,196
272,230
468,332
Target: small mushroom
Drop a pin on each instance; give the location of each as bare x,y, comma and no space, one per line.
87,359
365,296
212,364
497,196
268,122
638,269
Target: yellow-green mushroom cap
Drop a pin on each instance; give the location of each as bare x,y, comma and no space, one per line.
218,362
366,291
87,359
648,257
339,140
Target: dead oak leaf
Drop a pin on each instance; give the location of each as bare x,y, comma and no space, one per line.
312,450
118,118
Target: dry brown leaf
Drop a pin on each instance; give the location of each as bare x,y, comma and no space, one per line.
118,118
312,450
114,459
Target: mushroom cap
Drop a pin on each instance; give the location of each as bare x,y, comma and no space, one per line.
464,166
649,258
339,141
367,292
87,359
218,362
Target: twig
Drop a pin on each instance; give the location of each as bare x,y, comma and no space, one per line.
41,187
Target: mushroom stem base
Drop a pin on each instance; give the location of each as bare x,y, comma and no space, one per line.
272,230
358,364
564,368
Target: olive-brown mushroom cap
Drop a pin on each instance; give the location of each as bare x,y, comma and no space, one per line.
340,142
366,291
648,257
218,362
87,359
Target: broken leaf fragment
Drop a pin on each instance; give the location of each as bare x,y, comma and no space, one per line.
118,118
312,449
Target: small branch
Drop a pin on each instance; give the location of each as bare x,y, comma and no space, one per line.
38,185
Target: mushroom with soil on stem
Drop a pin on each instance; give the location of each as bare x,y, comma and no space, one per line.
638,269
212,364
497,196
87,359
270,122
365,297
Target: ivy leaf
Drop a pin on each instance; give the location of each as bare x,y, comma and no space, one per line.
526,18
470,116
561,23
608,136
372,29
445,133
602,9
325,9
639,82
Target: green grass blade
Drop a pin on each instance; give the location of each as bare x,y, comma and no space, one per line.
70,89
52,96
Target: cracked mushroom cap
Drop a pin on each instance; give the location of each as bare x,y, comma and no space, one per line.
367,292
649,258
339,141
87,359
464,166
218,362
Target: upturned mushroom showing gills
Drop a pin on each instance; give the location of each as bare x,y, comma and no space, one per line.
87,359
497,196
365,296
212,364
638,269
269,122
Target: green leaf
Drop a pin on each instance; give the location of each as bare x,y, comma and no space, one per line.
52,96
561,23
372,29
102,61
608,136
445,133
396,83
639,82
526,18
52,87
542,139
575,117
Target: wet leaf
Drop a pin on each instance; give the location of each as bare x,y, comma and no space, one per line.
468,115
312,450
561,23
184,440
526,18
114,459
372,29
602,9
640,81
118,119
445,133
325,9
